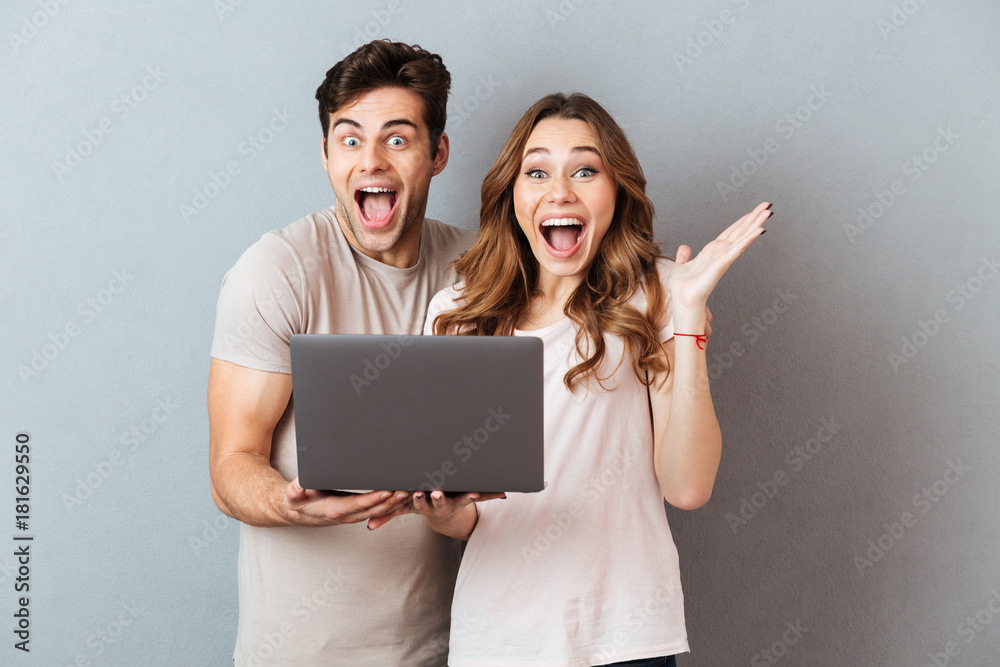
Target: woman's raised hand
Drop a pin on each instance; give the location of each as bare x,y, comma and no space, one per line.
692,280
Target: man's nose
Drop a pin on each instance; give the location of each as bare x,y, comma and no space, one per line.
373,158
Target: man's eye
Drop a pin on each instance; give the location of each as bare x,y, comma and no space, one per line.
352,142
397,141
535,173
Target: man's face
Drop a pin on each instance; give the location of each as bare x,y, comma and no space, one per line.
378,157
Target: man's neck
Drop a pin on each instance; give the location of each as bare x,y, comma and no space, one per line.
403,255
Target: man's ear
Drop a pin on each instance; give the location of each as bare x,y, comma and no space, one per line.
323,146
441,157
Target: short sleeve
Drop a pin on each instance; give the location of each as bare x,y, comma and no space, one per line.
442,301
258,310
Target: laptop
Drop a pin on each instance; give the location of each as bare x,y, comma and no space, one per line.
456,413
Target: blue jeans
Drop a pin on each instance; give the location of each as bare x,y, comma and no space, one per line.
666,661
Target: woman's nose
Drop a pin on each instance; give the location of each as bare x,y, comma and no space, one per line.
560,191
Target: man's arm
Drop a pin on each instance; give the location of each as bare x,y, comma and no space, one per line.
244,406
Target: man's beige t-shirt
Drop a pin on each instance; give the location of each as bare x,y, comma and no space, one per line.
341,595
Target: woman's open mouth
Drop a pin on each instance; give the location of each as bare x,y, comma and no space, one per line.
562,236
376,204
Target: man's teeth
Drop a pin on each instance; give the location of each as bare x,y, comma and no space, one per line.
374,189
561,222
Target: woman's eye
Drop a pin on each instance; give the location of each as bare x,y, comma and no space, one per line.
352,142
535,173
397,141
585,172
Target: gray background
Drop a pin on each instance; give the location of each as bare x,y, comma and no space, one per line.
122,519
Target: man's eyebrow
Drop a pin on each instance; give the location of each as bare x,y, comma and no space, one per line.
399,121
575,149
387,125
345,121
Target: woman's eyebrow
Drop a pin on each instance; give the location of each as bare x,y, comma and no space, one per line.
575,149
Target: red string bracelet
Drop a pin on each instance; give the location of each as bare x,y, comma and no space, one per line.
700,338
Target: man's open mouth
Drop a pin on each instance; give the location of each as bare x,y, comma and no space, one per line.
376,205
563,235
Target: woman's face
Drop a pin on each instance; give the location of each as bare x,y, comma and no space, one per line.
564,197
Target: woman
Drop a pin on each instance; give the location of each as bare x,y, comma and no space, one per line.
585,572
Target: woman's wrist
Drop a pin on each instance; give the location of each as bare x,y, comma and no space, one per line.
690,321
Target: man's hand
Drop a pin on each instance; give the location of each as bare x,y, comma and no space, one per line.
323,509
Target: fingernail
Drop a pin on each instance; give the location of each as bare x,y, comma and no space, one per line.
369,526
763,231
385,494
769,207
503,496
295,483
401,495
418,496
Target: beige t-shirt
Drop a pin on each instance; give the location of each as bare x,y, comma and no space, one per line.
584,572
341,595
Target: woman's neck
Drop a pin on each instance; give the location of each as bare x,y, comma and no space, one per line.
548,305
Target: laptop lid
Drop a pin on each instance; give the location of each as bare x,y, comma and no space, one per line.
457,413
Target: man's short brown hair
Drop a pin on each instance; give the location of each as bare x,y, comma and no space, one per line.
383,63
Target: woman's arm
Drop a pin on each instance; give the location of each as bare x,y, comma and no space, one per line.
687,441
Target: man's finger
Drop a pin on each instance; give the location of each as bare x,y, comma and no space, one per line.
382,503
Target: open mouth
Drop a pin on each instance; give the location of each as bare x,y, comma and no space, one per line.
376,205
563,235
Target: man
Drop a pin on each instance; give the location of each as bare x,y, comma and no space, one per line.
316,586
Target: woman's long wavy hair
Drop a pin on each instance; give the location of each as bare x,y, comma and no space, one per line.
500,271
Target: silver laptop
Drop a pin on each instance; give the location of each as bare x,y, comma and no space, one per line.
457,413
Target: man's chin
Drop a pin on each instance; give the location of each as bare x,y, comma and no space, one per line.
377,240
